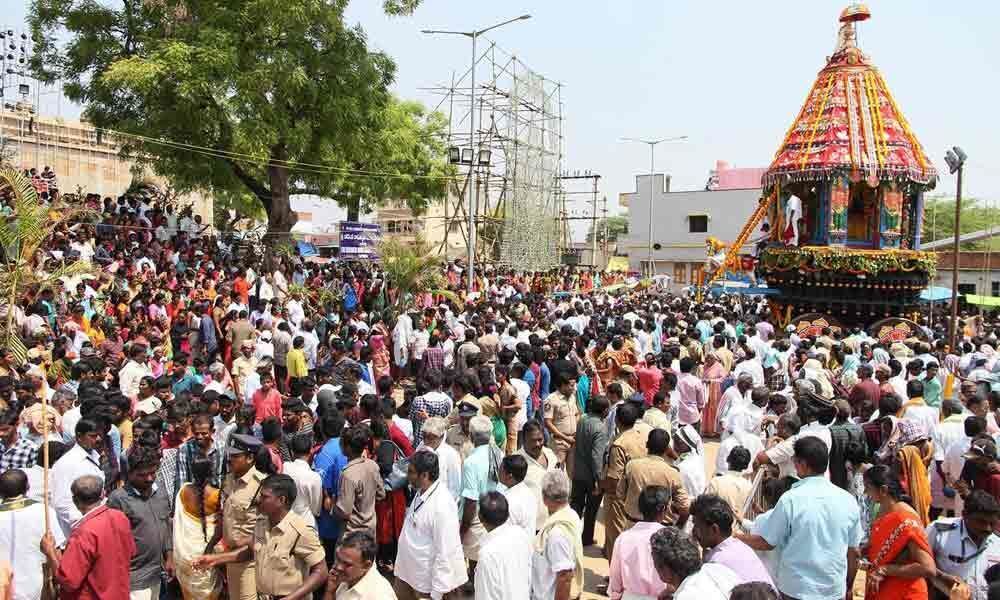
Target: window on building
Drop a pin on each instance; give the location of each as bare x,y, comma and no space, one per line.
698,223
995,288
680,273
967,288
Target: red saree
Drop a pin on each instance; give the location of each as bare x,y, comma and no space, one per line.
890,535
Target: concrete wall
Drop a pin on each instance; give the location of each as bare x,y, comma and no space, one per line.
681,252
72,150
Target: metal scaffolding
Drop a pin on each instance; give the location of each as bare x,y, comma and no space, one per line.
517,199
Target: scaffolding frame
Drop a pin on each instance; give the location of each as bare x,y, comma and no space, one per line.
518,200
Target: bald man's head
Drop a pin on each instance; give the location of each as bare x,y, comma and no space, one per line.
87,491
13,483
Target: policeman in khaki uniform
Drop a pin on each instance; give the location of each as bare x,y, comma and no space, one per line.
629,445
289,560
239,512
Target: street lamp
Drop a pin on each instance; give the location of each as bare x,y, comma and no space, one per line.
956,161
652,148
483,160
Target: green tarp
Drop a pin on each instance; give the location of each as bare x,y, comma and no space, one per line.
982,300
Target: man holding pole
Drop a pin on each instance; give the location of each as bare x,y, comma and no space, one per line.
22,525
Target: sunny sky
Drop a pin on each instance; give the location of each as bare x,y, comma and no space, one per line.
731,75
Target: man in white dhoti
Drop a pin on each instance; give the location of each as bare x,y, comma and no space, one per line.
793,212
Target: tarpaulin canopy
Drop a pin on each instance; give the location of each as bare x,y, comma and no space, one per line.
982,300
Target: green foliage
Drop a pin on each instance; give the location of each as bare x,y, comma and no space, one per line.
265,97
977,215
22,237
616,226
411,269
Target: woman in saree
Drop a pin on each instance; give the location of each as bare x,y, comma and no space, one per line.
194,521
380,354
712,375
899,555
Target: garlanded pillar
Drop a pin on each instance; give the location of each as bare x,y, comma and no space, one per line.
892,214
840,195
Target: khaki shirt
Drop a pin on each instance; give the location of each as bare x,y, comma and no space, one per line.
285,553
239,511
627,447
652,470
242,368
732,487
656,419
360,486
459,440
563,411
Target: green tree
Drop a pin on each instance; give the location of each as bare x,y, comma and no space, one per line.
616,226
23,269
245,96
411,269
977,215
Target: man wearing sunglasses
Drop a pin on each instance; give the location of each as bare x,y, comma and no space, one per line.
965,547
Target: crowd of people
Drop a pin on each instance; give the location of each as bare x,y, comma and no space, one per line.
213,430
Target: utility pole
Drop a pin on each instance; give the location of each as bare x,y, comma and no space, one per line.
956,163
593,228
604,215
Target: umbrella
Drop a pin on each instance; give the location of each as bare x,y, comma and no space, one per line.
936,293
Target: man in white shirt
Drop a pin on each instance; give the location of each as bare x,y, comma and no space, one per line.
429,561
82,459
308,483
523,391
449,460
522,505
21,530
311,343
754,368
133,371
916,410
504,556
818,412
951,429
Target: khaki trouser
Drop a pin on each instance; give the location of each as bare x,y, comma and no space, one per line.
615,522
242,578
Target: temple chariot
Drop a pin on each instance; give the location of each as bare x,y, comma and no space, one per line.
839,222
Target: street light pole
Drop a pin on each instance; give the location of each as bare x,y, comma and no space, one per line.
471,223
956,162
652,167
473,178
953,330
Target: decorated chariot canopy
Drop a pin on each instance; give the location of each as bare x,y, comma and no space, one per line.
850,125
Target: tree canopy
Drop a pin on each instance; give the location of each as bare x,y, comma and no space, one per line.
241,97
616,226
977,215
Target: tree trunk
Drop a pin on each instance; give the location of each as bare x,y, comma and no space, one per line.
280,217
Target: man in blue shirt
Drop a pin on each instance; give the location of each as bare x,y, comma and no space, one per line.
817,526
329,462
